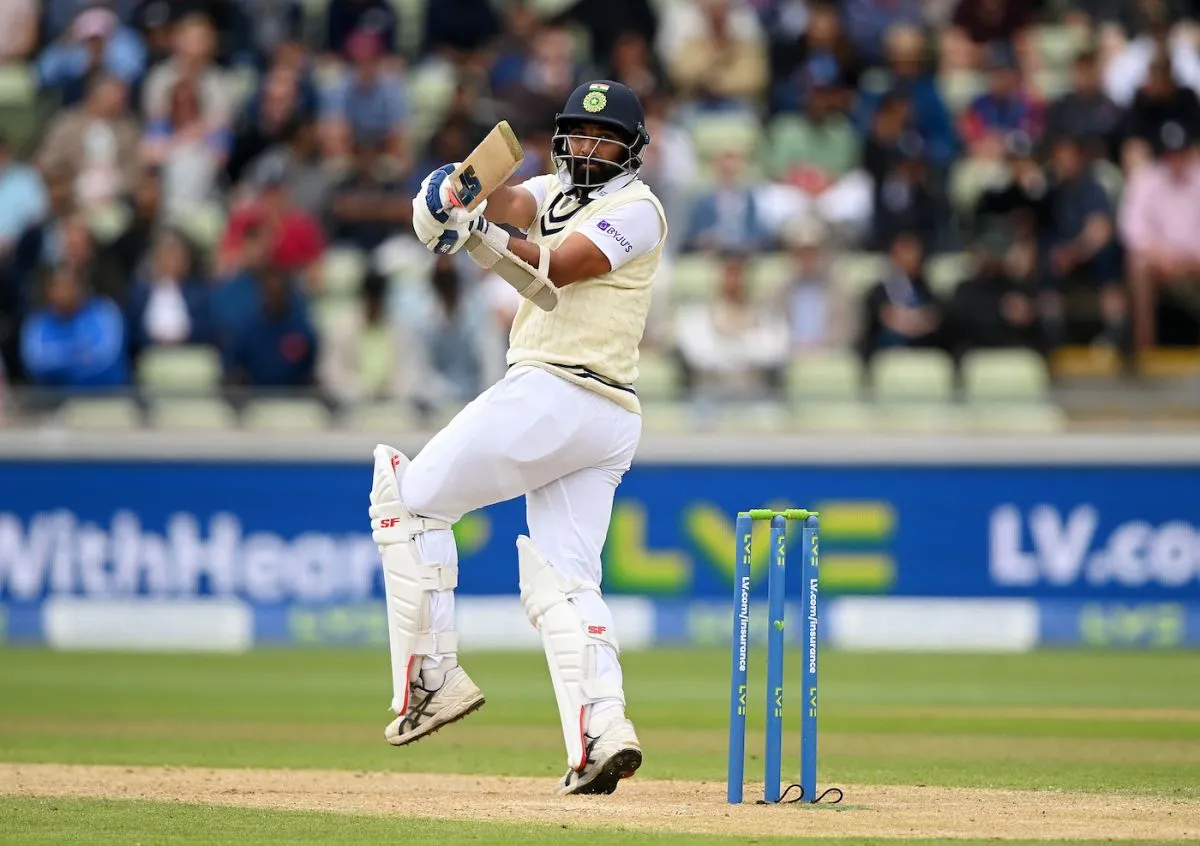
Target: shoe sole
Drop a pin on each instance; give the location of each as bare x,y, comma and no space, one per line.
433,727
620,766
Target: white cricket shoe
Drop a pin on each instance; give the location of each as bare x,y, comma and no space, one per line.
429,710
614,755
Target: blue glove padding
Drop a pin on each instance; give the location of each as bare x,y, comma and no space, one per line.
433,192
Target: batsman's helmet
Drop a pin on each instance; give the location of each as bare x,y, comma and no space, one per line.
609,104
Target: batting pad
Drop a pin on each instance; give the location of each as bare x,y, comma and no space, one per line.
570,643
407,582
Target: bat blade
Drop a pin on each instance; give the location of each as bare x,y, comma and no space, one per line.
488,166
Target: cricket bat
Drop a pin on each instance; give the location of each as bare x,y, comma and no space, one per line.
486,168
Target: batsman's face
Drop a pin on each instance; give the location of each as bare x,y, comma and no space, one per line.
596,141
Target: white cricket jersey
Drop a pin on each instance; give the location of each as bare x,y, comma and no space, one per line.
592,336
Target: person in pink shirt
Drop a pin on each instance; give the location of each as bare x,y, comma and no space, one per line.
1159,222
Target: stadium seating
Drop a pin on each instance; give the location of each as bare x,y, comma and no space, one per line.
908,375
193,413
179,370
278,414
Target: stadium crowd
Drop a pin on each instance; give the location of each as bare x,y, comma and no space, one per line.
236,175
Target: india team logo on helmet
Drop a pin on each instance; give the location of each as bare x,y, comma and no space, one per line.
595,100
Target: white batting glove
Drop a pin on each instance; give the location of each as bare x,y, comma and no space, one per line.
433,212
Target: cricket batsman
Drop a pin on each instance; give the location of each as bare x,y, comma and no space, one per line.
560,428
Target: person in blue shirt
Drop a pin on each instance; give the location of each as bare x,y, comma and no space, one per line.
276,345
77,341
97,42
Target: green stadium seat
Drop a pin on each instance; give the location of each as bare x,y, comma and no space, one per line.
333,314
204,223
969,178
193,414
342,271
18,87
921,417
1058,45
905,375
1005,374
712,134
179,370
1110,176
818,376
659,376
392,417
855,273
1051,83
836,416
959,88
945,271
278,414
1024,418
108,222
693,278
770,275
106,413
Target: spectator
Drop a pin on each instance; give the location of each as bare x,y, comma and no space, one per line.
818,155
869,21
818,312
154,21
23,200
276,345
169,303
97,46
549,73
361,360
144,208
997,306
58,15
368,205
1086,112
821,56
606,21
273,25
715,53
194,44
310,178
368,106
458,30
296,240
1159,102
511,52
278,104
24,204
901,310
18,30
633,63
912,81
732,347
1160,224
979,25
97,143
1078,243
1006,107
894,156
344,19
1016,208
74,247
1160,41
727,217
669,164
449,330
189,151
77,341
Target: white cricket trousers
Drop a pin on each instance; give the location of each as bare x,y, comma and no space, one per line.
563,447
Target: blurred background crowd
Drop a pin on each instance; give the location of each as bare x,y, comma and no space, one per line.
926,213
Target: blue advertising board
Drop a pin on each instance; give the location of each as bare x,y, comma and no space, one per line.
275,533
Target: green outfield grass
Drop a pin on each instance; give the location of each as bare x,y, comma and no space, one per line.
1125,723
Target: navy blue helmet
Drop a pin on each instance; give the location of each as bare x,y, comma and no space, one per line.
605,104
